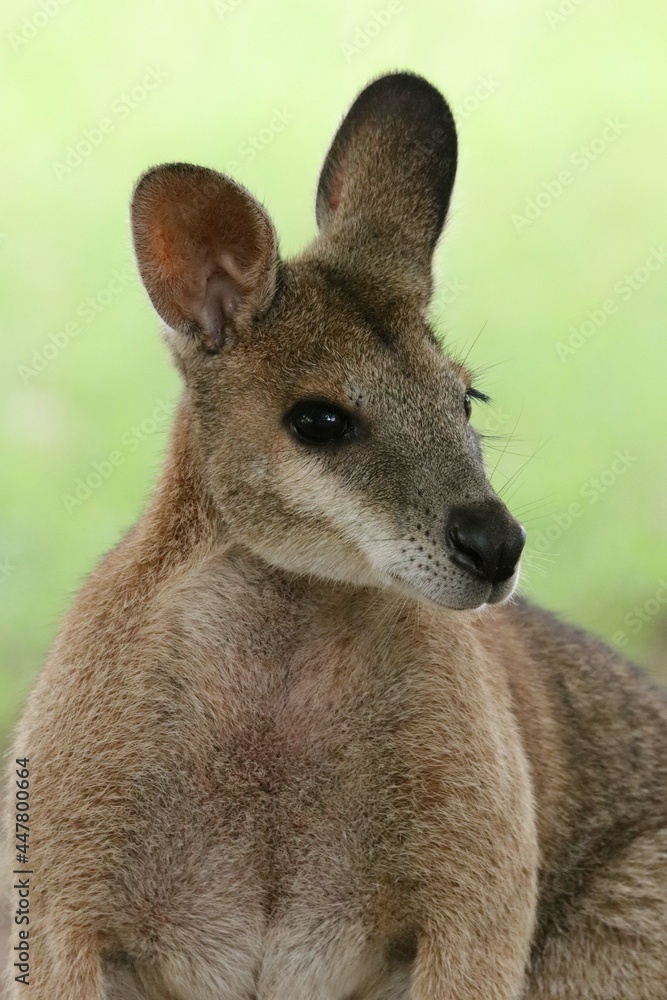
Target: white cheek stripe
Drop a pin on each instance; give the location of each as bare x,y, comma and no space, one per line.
315,492
311,492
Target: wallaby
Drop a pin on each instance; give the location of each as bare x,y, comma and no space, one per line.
295,741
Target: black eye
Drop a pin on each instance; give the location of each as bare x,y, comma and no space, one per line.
467,403
318,423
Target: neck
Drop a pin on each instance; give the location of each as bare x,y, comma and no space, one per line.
181,514
180,519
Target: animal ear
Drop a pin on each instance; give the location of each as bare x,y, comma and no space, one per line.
206,250
390,171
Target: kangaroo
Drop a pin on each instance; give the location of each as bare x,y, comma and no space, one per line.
297,739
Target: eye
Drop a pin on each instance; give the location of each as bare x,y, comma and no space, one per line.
468,398
319,423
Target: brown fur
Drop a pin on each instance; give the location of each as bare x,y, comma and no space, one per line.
278,751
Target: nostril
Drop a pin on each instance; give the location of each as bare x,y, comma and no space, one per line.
468,556
465,551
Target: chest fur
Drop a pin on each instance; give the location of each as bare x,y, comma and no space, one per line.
283,820
302,774
306,764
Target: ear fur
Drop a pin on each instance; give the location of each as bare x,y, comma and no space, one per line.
206,251
390,171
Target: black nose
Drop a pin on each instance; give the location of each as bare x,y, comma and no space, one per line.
485,540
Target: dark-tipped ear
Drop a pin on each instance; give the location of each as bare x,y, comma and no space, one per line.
206,250
392,164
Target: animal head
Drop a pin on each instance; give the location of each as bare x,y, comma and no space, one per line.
333,432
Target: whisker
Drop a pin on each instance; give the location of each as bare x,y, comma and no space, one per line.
497,437
533,556
462,363
505,451
521,468
487,367
537,500
516,424
398,538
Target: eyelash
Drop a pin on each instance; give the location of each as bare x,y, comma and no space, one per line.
477,394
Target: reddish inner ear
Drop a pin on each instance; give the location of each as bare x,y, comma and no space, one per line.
206,249
336,188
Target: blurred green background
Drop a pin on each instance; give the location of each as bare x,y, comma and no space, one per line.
556,251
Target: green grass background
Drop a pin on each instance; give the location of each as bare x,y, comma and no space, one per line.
532,83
